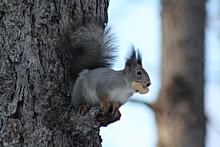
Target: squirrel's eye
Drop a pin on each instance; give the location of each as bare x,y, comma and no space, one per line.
139,73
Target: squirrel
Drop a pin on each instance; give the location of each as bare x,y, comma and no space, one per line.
90,49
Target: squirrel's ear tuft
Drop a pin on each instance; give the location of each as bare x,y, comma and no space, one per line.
139,58
131,58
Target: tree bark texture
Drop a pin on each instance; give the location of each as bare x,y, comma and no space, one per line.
34,102
179,108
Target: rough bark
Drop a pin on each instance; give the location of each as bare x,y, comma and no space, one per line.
34,102
179,108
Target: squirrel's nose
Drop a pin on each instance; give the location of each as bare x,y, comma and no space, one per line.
148,84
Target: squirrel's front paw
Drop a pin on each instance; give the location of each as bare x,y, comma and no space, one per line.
116,114
115,110
105,108
106,119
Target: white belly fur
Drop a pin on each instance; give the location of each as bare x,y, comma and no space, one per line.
118,95
121,95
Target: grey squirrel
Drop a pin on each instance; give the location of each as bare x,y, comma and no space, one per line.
91,50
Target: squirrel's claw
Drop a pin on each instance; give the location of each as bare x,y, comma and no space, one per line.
116,114
84,108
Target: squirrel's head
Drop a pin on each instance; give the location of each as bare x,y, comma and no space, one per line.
134,70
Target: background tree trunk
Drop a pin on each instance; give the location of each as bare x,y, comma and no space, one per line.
179,108
34,107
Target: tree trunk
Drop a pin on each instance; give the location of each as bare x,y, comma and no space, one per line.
179,108
34,107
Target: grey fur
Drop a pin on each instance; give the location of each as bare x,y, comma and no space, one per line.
97,79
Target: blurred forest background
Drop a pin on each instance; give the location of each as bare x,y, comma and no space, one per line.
179,41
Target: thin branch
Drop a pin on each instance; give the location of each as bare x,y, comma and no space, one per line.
143,102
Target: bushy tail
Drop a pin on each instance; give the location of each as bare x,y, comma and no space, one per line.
87,47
